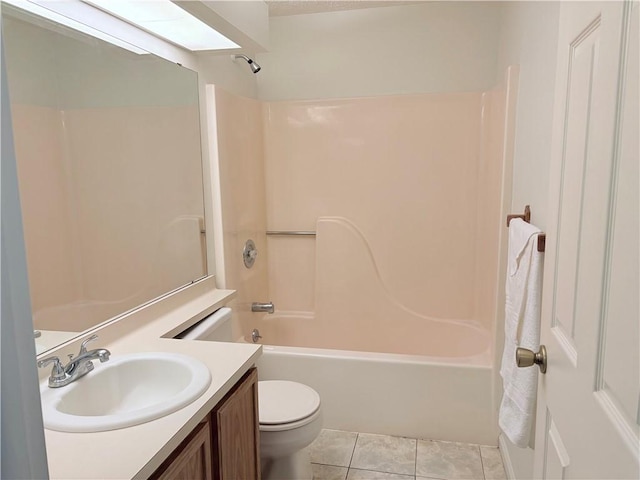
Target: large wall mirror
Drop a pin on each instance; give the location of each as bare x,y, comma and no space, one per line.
110,173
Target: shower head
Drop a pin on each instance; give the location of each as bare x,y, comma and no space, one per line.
255,68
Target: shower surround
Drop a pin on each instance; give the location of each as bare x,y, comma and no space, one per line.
405,173
398,289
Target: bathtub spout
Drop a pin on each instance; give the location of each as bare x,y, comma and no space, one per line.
262,307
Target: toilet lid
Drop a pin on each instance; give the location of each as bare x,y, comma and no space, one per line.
281,401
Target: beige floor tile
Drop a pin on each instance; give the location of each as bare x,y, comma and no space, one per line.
492,463
333,447
384,453
355,474
328,472
448,460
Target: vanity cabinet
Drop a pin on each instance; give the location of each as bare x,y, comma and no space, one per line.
225,446
192,459
236,432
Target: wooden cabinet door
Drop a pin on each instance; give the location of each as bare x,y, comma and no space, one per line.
191,460
236,429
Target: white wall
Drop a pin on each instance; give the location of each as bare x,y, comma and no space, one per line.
426,48
82,72
104,22
245,22
529,39
431,47
234,76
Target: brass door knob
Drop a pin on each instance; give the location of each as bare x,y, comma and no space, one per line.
527,358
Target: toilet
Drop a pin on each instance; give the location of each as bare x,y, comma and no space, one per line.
289,412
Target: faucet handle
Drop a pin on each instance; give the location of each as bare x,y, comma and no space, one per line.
58,370
46,361
83,346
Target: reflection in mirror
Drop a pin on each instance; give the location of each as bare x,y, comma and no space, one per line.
110,174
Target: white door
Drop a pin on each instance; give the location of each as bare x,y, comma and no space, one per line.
588,404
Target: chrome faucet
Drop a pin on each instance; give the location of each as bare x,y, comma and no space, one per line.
77,367
262,307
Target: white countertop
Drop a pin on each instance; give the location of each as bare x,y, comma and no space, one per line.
136,452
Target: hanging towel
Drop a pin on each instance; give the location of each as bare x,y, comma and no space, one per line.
522,329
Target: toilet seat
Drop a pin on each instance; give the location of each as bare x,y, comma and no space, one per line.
282,427
284,405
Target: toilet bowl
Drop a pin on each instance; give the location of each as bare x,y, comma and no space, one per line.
290,419
289,412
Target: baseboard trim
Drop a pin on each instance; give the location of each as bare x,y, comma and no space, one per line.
506,459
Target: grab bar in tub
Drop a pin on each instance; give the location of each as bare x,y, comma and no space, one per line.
283,233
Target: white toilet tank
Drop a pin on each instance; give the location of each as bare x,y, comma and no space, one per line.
214,328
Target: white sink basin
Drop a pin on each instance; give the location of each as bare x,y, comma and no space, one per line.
125,391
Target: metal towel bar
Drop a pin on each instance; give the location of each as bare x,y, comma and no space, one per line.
542,237
283,233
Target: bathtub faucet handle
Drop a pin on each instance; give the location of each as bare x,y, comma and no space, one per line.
262,307
255,335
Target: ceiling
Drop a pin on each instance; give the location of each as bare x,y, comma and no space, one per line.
279,8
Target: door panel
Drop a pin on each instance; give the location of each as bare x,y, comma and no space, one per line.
580,78
618,354
587,419
556,457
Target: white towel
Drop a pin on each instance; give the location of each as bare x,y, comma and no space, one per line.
522,329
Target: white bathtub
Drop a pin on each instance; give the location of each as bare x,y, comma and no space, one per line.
422,396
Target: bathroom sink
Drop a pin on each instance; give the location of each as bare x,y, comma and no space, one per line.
125,391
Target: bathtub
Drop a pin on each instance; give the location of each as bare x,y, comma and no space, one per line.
440,388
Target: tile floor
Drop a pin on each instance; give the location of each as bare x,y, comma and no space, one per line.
338,455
